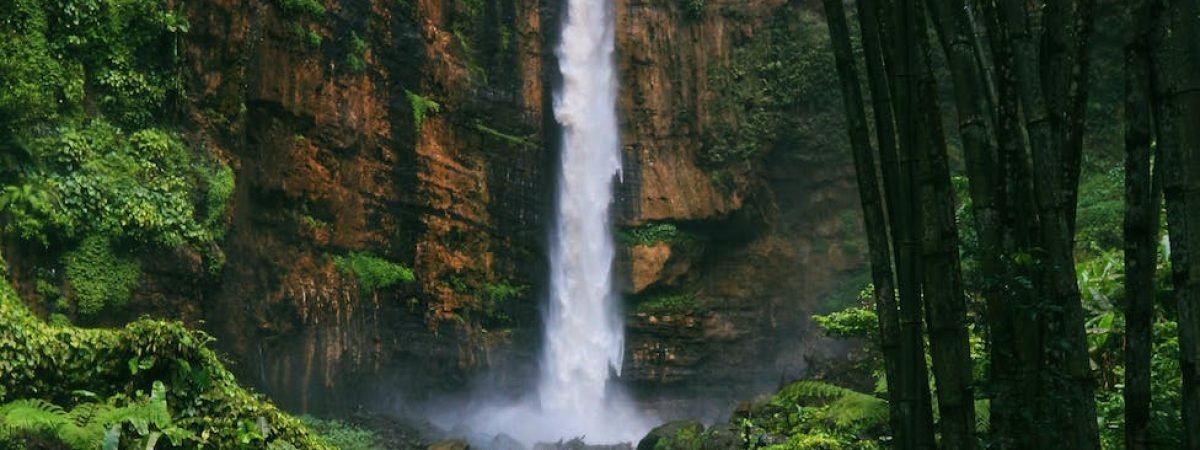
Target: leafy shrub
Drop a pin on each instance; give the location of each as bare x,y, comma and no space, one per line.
421,108
100,278
92,423
654,233
56,364
221,184
372,272
354,56
115,167
341,435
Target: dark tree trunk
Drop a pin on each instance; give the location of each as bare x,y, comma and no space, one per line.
1013,331
1179,138
1066,399
945,302
869,194
1141,229
913,387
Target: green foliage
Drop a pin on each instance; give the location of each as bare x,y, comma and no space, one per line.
58,365
814,415
341,435
221,184
99,277
421,107
1101,209
687,437
668,304
144,419
469,28
779,92
510,140
356,48
654,233
860,322
86,90
372,272
312,8
310,37
693,8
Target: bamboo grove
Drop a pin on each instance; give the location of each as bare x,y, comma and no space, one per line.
1018,74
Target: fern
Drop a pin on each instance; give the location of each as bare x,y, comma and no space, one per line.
32,415
844,407
90,424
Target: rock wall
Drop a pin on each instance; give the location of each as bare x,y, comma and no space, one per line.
420,131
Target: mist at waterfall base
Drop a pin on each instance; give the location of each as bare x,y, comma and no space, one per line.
584,332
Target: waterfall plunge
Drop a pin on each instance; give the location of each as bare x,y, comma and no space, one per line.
584,335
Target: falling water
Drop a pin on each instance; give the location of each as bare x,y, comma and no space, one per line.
584,335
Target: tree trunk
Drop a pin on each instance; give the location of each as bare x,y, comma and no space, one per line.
915,403
945,302
868,187
1013,332
1180,144
1141,229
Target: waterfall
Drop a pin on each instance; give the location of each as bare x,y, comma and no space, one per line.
584,334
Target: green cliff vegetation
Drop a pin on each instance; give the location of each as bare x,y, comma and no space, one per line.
372,272
781,91
95,167
94,172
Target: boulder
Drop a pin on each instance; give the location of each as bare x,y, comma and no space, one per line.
677,435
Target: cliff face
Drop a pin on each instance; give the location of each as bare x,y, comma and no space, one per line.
420,131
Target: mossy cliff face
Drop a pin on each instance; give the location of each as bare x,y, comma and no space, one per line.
417,134
742,217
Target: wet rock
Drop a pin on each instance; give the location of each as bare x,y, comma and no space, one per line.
505,442
579,444
450,444
722,437
677,435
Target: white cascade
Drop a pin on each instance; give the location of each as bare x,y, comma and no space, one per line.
584,334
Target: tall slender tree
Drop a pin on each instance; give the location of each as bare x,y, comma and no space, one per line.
869,187
1178,85
1142,194
941,271
913,388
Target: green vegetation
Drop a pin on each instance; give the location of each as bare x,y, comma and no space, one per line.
312,8
312,38
356,48
782,92
99,278
372,272
516,142
694,9
124,380
221,184
469,28
90,158
667,304
421,107
653,233
145,419
341,435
